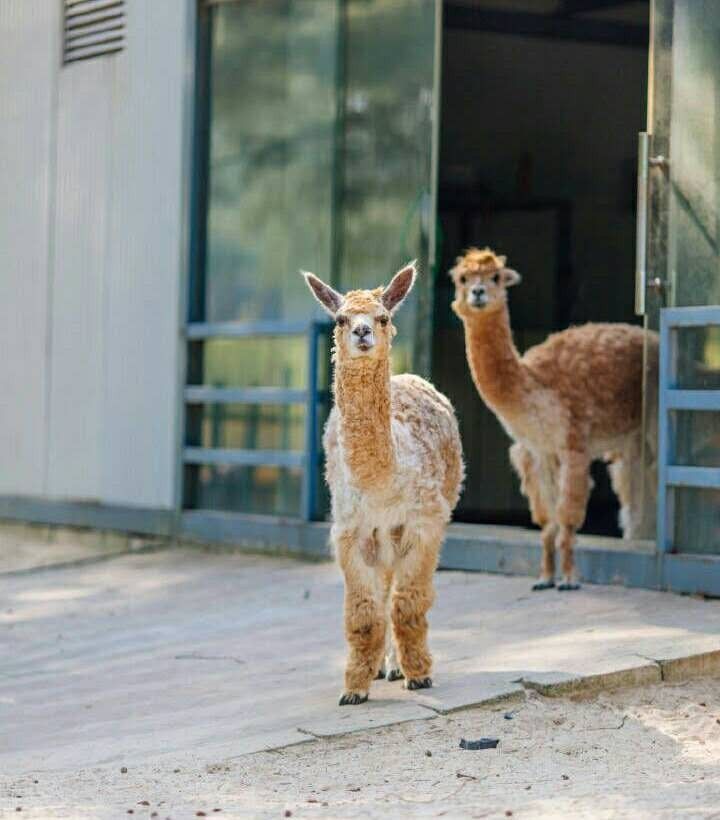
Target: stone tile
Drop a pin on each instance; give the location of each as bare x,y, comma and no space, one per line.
370,715
453,692
612,675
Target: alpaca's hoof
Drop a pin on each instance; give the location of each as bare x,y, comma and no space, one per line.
419,683
394,674
543,583
380,675
352,699
568,586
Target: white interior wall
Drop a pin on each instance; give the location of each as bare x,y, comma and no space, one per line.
92,232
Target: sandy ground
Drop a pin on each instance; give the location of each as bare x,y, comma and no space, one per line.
641,753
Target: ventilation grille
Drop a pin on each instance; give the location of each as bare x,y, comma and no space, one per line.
93,28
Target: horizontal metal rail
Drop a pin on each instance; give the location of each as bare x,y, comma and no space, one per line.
244,458
704,316
701,477
245,395
693,400
269,327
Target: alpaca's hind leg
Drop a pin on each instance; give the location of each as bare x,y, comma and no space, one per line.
390,667
621,482
573,492
531,478
365,624
412,597
635,485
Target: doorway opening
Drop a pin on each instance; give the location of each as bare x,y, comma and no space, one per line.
541,105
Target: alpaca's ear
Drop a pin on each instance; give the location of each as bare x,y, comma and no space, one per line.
329,298
401,284
510,277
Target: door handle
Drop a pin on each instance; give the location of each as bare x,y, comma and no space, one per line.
641,225
645,163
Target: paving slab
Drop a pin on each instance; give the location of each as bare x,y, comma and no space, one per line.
185,654
28,547
372,715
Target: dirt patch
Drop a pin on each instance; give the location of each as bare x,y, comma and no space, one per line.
650,752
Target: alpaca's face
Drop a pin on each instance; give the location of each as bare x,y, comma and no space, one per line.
362,325
363,318
481,281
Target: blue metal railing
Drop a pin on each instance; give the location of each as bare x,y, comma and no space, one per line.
671,476
312,397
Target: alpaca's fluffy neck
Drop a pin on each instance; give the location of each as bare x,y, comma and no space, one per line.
362,397
497,371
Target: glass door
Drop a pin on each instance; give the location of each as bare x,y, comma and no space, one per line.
680,167
316,127
386,203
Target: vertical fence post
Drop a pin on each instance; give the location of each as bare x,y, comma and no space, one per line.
309,489
665,517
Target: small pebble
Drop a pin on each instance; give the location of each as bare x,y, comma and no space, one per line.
288,813
565,777
199,814
123,770
428,753
508,813
508,715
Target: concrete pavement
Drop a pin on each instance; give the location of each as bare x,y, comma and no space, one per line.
185,654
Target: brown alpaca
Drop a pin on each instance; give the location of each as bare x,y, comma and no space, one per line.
572,399
394,468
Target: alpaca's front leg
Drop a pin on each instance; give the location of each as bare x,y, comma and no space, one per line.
573,492
365,625
412,597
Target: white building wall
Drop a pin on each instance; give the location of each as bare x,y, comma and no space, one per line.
97,400
29,56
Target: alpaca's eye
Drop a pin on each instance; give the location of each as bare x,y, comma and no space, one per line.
496,279
463,280
341,320
383,320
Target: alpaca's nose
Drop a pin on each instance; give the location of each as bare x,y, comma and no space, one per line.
478,291
361,331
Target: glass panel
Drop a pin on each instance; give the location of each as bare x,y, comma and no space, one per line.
694,264
251,426
697,439
261,490
684,232
698,350
697,520
262,361
271,155
387,211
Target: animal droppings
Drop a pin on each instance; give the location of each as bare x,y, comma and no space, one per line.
482,743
